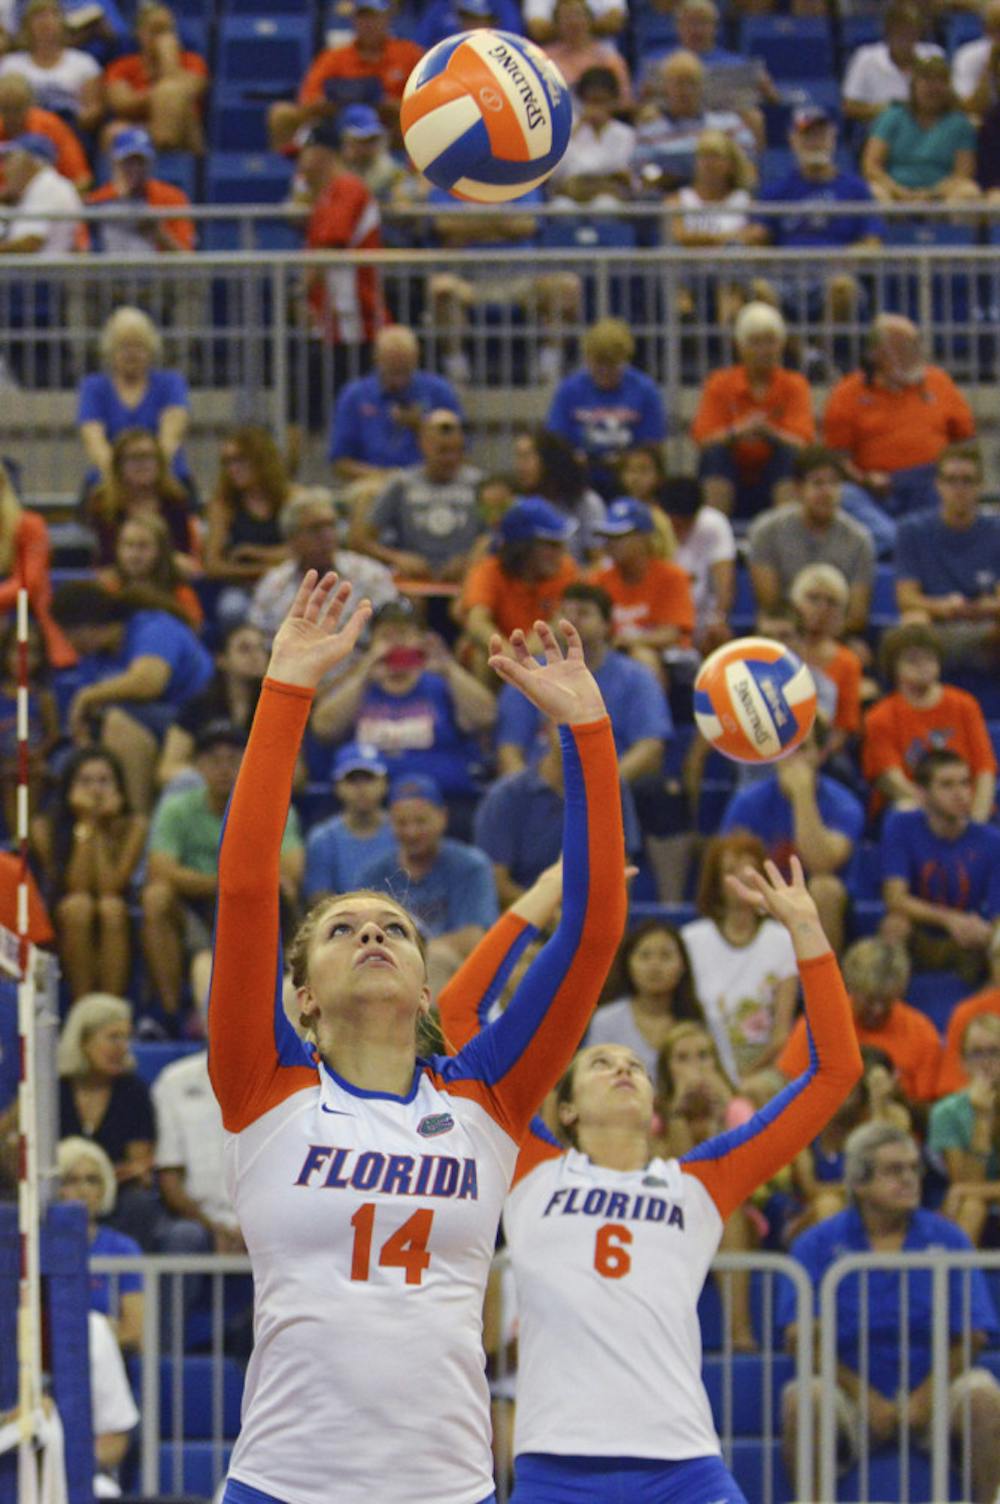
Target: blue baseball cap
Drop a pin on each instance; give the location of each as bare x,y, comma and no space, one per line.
535,518
33,142
474,8
359,121
417,786
358,757
625,515
134,142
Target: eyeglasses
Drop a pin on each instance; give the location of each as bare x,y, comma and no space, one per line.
94,1179
898,1170
946,479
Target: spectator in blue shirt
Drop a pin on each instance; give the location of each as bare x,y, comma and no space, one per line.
408,697
376,420
443,18
816,179
132,392
137,668
339,849
797,809
519,823
608,406
941,871
948,564
447,885
882,1177
87,1175
639,715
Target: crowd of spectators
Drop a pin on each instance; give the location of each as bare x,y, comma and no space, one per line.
421,774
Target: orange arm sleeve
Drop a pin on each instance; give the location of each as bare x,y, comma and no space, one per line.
255,1058
464,1002
732,1165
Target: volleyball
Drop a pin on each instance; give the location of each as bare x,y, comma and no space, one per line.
486,115
754,700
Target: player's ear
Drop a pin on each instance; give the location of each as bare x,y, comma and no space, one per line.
424,1003
306,1006
567,1114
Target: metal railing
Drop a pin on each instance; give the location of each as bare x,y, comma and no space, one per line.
239,328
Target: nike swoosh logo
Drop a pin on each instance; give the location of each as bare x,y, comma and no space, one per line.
335,1111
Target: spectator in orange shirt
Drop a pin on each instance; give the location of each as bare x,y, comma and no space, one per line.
161,86
651,597
132,157
819,597
752,419
373,54
920,716
19,116
953,1076
522,582
876,975
892,419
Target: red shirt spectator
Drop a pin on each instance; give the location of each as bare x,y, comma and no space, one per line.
372,54
346,302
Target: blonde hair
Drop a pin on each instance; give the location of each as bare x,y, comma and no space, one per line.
874,966
93,1011
758,318
741,170
608,339
827,576
988,1021
130,323
32,9
10,516
77,1147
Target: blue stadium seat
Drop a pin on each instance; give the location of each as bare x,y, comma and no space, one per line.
676,914
248,178
151,1058
865,917
653,33
744,612
776,162
806,89
931,232
884,611
936,993
885,1481
759,1472
237,123
749,1388
194,33
180,169
199,1474
790,46
268,7
715,795
199,1397
858,31
867,886
964,27
589,234
710,1313
267,53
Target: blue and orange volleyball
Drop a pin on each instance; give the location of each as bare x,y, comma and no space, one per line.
754,700
486,116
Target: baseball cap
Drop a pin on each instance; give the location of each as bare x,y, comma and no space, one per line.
809,115
534,518
358,757
475,8
33,142
417,786
626,515
219,733
359,121
132,143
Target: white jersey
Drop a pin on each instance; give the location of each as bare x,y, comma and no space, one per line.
608,1267
394,1205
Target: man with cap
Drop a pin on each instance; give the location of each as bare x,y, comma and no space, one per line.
178,898
817,179
426,521
337,76
443,18
133,156
346,306
338,850
522,580
377,418
651,596
36,190
447,886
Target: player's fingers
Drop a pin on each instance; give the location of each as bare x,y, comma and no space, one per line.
574,647
318,597
498,648
547,638
356,623
774,875
335,602
519,644
798,875
305,590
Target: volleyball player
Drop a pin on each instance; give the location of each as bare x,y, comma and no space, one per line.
610,1247
368,1182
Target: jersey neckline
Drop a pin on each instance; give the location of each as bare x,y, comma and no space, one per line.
381,1096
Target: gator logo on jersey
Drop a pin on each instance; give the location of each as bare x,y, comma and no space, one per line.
435,1123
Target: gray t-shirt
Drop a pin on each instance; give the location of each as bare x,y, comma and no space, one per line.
781,541
434,520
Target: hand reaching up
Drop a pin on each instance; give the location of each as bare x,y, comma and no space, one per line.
311,641
562,687
790,903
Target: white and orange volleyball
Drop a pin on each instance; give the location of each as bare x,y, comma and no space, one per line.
486,115
754,700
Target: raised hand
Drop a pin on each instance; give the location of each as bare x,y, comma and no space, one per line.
790,903
562,687
310,641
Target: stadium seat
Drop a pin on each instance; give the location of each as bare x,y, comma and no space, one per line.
936,993
776,162
676,914
151,1058
747,1391
930,232
964,27
884,611
267,8
201,1467
199,1397
885,1479
654,33
744,612
600,232
180,169
867,886
237,123
248,178
858,31
759,1471
267,53
993,727
864,918
194,33
790,46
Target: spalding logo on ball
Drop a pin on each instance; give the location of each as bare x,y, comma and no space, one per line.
754,700
486,115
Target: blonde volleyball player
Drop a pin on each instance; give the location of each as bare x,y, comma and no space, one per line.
369,1182
610,1247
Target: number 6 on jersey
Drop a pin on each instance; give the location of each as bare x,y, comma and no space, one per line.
611,1256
